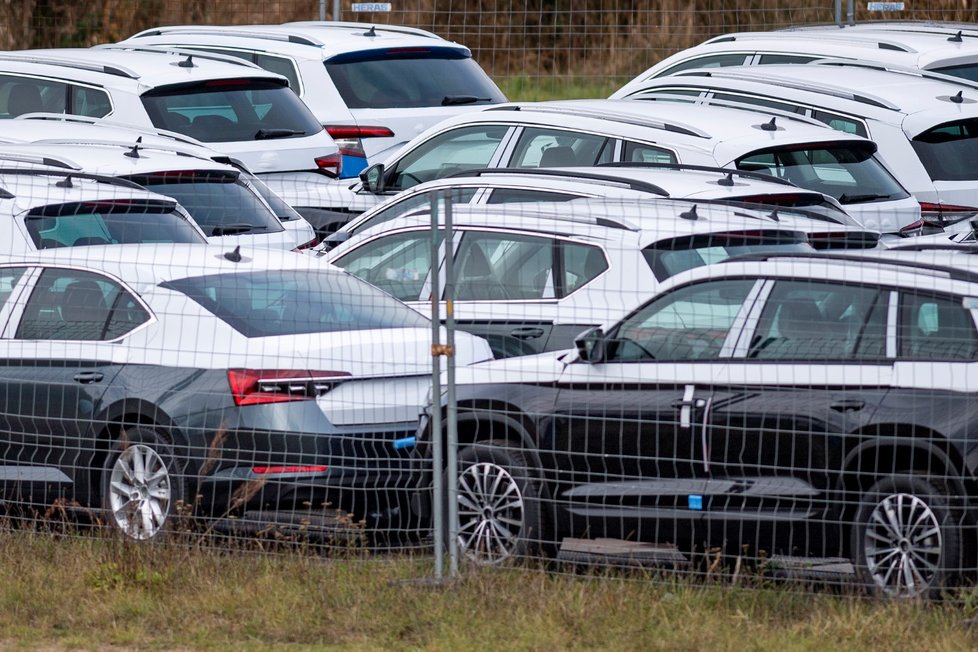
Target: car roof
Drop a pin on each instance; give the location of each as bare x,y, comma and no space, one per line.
25,189
107,158
125,68
152,264
308,40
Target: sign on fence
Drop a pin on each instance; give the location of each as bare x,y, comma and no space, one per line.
370,6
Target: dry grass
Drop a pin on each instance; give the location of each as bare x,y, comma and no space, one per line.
91,593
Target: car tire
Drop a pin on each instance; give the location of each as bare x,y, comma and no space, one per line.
142,483
500,515
906,540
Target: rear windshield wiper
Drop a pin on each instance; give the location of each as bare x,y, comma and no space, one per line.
236,229
855,199
454,100
263,134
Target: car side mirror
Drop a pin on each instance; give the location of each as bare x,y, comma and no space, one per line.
591,345
373,178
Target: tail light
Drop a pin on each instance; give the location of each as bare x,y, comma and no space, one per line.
941,214
844,240
267,470
307,245
331,164
258,386
923,226
349,137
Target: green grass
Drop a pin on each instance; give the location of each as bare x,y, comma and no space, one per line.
90,593
535,89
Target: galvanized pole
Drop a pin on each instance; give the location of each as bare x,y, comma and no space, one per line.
838,12
851,12
437,458
451,414
322,9
336,10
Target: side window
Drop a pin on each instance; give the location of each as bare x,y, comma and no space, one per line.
709,61
690,323
491,266
89,102
540,147
841,122
280,65
20,95
398,264
758,101
8,280
418,200
76,305
642,153
821,321
769,59
467,148
935,328
581,264
514,195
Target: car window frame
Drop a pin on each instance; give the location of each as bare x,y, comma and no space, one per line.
901,307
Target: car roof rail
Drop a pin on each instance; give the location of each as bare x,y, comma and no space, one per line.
73,174
140,129
730,104
66,62
36,159
870,42
896,69
536,213
562,173
181,52
651,165
344,25
214,30
604,115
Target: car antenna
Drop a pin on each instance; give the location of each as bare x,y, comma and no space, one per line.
957,38
727,180
957,98
187,63
372,32
234,256
134,152
770,126
690,214
65,183
774,215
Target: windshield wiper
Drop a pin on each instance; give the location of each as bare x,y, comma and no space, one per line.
236,229
264,134
455,100
855,199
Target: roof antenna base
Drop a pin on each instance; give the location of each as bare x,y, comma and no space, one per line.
727,180
690,214
65,183
234,256
134,152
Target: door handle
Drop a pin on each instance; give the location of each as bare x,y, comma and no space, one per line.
848,405
87,377
527,333
696,403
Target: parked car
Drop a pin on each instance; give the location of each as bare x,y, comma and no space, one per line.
798,404
531,277
48,208
922,51
504,186
597,132
373,87
229,104
184,373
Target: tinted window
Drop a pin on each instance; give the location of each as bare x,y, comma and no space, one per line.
669,257
229,110
20,95
447,153
491,266
690,323
77,305
849,173
8,280
397,208
935,328
964,71
108,222
382,79
519,195
556,148
948,151
841,122
397,264
769,59
758,101
288,302
218,201
642,153
821,321
709,61
581,264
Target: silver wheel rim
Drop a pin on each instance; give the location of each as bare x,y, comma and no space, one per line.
139,492
490,513
903,546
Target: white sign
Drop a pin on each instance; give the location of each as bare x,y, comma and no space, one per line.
884,6
371,6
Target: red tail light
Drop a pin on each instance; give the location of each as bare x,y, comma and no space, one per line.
331,164
257,386
265,470
923,226
348,137
307,245
945,213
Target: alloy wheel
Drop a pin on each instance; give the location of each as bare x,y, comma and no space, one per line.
491,513
903,545
140,492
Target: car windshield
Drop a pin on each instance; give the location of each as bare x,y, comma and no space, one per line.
109,222
846,171
669,257
414,77
217,200
291,302
948,150
225,110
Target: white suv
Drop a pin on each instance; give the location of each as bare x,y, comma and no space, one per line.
233,106
926,125
597,132
373,87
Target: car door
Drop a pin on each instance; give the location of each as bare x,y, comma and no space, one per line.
553,147
629,436
59,356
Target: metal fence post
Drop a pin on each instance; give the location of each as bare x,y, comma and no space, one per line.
436,429
336,9
451,414
851,12
838,12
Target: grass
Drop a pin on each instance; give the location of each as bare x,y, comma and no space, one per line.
92,593
524,88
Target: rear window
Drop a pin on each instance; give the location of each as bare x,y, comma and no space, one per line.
108,222
947,151
218,201
848,172
411,77
669,257
964,71
226,110
290,302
